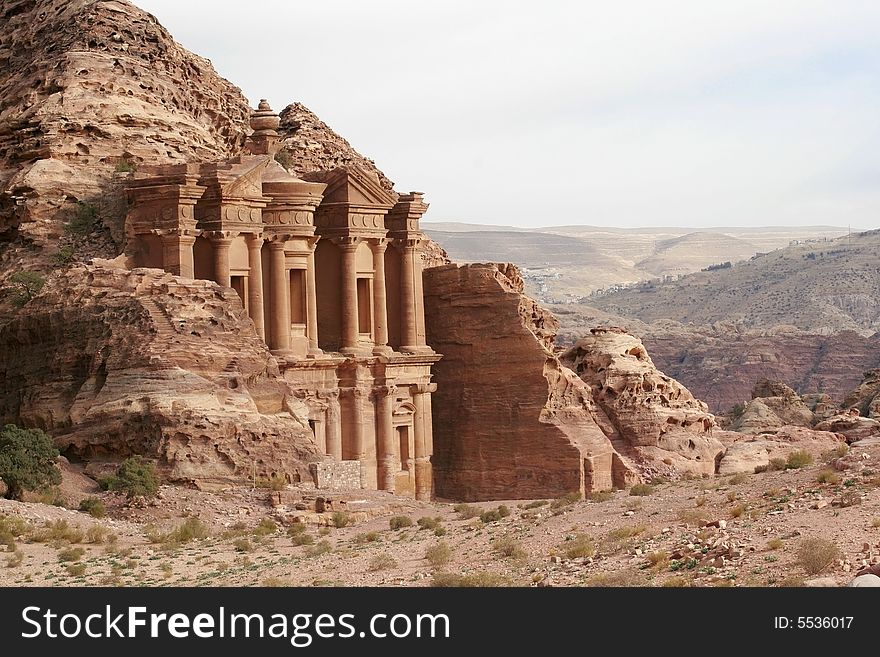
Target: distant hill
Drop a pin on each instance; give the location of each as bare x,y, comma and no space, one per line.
566,263
822,287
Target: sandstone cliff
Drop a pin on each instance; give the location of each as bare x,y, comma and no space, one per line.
115,362
88,87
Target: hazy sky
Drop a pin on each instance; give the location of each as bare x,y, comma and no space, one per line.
629,113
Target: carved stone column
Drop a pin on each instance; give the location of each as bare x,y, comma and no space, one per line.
423,440
348,297
380,304
221,243
177,254
312,301
334,426
280,307
387,459
357,449
255,283
408,312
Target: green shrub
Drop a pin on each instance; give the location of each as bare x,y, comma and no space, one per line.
83,220
503,510
798,459
776,464
25,285
491,515
439,554
65,255
641,489
126,166
399,522
341,519
828,477
93,506
27,460
189,530
134,477
284,158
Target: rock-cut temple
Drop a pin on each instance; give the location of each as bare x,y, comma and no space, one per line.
330,271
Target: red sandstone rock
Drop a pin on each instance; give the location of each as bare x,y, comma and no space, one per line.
746,454
773,405
115,362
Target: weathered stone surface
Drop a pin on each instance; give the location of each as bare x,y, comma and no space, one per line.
509,420
654,415
773,405
310,145
866,397
851,425
744,455
115,362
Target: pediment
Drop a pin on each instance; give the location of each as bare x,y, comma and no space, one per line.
355,186
247,179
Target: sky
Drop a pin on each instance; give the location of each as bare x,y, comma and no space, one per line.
631,113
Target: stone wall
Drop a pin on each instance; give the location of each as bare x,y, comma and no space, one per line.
509,421
336,475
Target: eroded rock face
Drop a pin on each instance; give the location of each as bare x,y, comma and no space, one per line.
509,420
746,454
89,85
655,416
310,145
866,397
773,405
115,362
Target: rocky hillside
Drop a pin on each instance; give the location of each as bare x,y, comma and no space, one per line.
825,287
89,90
115,362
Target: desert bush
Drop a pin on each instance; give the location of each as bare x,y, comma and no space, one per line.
83,220
580,546
296,528
302,538
125,166
480,580
276,482
243,544
738,510
93,506
96,534
467,511
701,500
738,478
383,561
284,158
71,554
875,523
27,460
623,533
641,489
828,477
368,537
57,531
774,544
319,548
427,522
76,569
536,504
798,459
439,554
24,286
15,559
693,516
135,477
817,554
11,527
65,255
341,519
399,522
776,464
509,548
266,527
440,531
676,581
838,452
565,500
491,515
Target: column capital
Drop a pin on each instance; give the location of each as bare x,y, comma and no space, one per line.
347,243
408,243
254,239
379,245
381,392
277,245
221,237
357,393
423,388
328,395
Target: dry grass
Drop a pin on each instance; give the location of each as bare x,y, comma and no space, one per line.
467,511
774,544
601,496
368,537
342,519
509,548
738,510
676,581
875,523
800,458
439,554
399,522
693,516
382,561
828,477
817,554
581,546
738,478
641,490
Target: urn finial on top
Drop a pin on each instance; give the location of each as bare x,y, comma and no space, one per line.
264,123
